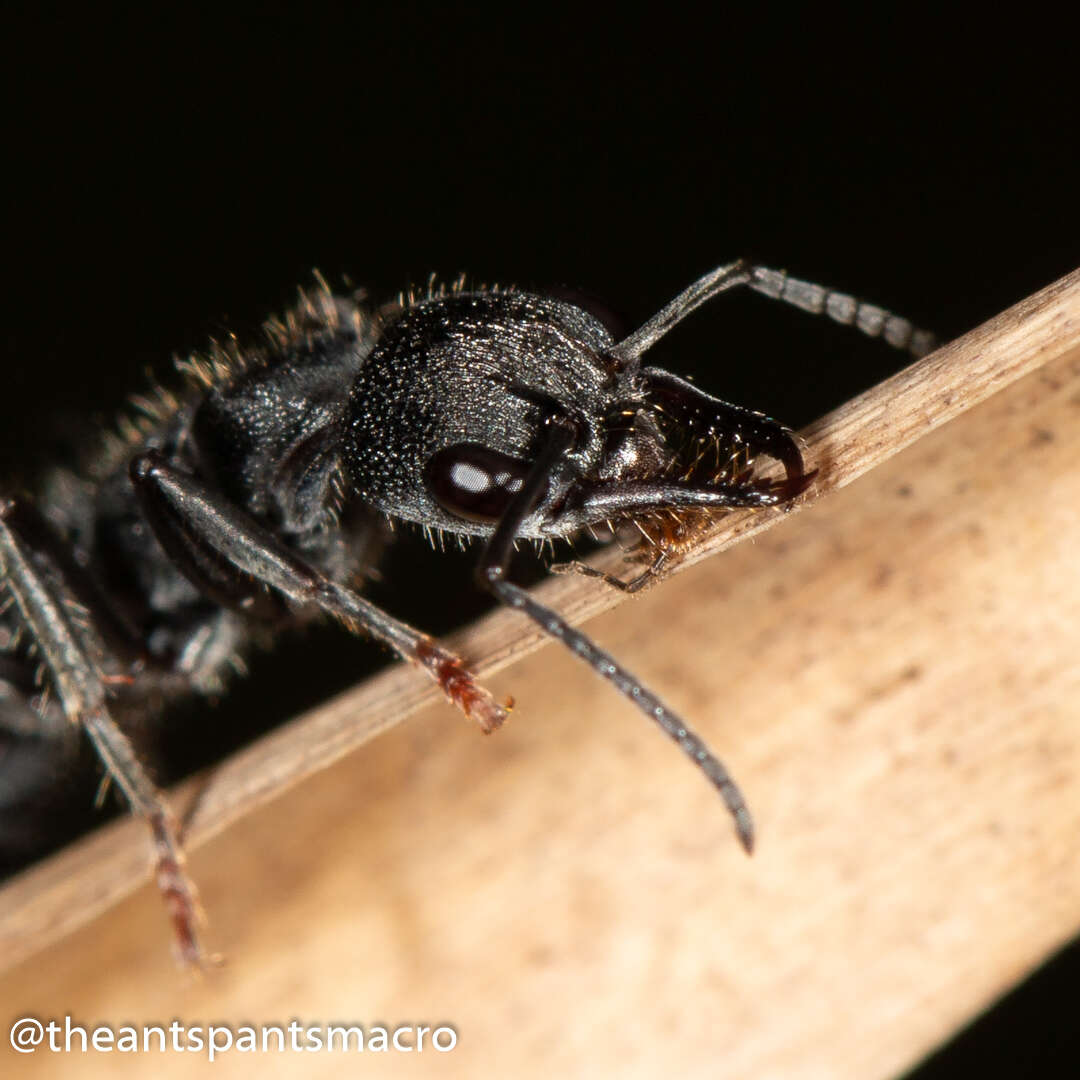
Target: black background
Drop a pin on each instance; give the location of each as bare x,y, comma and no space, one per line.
166,181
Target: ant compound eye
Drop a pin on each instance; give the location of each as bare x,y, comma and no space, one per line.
472,482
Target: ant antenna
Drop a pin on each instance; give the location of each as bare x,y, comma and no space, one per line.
848,310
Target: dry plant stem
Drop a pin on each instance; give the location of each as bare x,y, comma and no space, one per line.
72,887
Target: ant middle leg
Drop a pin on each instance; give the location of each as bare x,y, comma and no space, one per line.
69,649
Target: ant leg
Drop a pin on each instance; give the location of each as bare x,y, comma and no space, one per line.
39,536
491,574
232,558
635,584
65,648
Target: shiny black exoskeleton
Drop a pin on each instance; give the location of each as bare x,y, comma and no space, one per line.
254,499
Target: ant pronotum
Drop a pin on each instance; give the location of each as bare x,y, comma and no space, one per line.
250,500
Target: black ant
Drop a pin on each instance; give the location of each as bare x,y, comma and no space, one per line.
250,500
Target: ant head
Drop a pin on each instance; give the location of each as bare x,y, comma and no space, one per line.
452,411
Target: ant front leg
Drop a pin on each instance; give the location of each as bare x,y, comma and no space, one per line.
232,558
491,574
650,574
66,649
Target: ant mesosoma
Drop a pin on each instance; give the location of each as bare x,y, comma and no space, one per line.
249,500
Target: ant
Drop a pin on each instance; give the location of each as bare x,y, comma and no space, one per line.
250,501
